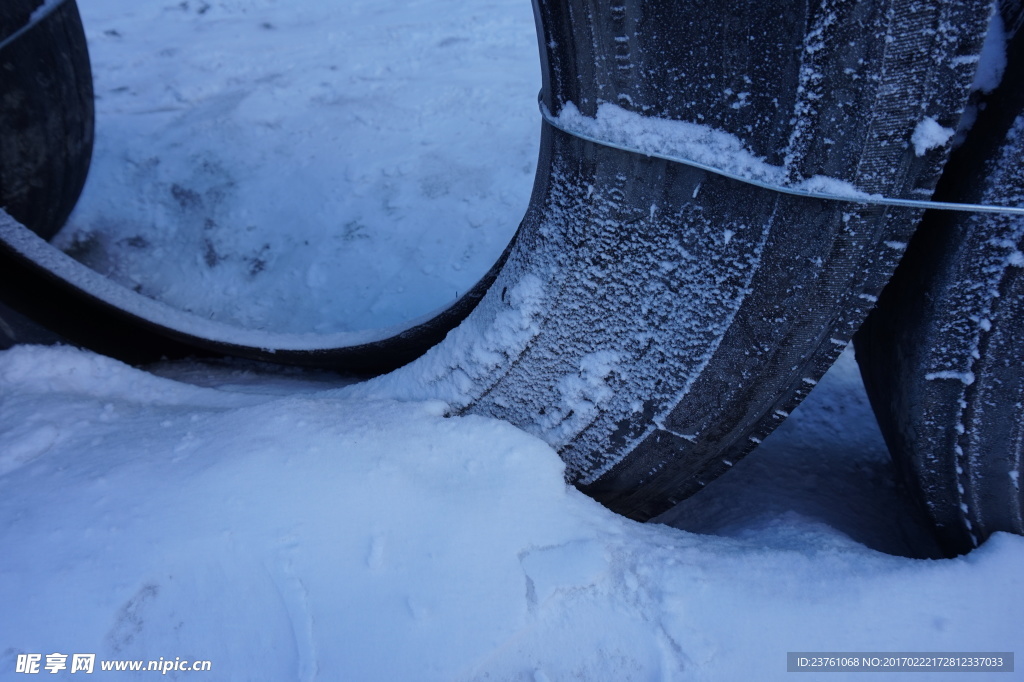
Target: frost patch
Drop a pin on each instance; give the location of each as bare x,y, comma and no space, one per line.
691,143
929,135
582,393
967,378
482,343
590,385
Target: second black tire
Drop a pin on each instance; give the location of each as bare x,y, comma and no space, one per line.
943,354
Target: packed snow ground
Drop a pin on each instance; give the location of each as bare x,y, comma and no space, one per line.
261,520
271,522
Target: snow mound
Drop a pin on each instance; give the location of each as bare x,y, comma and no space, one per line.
308,536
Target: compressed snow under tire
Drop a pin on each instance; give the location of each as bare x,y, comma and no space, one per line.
943,354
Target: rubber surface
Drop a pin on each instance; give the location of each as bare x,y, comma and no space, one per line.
943,355
655,322
85,308
46,115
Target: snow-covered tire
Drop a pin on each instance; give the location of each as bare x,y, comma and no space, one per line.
46,113
943,354
654,321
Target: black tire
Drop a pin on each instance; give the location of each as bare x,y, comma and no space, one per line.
46,134
943,355
46,114
15,329
654,321
85,308
648,346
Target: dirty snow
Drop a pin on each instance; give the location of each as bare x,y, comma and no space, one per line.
327,166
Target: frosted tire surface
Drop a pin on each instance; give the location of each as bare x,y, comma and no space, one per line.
943,354
651,321
654,322
46,114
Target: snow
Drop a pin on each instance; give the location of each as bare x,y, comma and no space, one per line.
288,524
344,182
108,290
992,61
694,144
966,378
269,524
929,134
44,9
